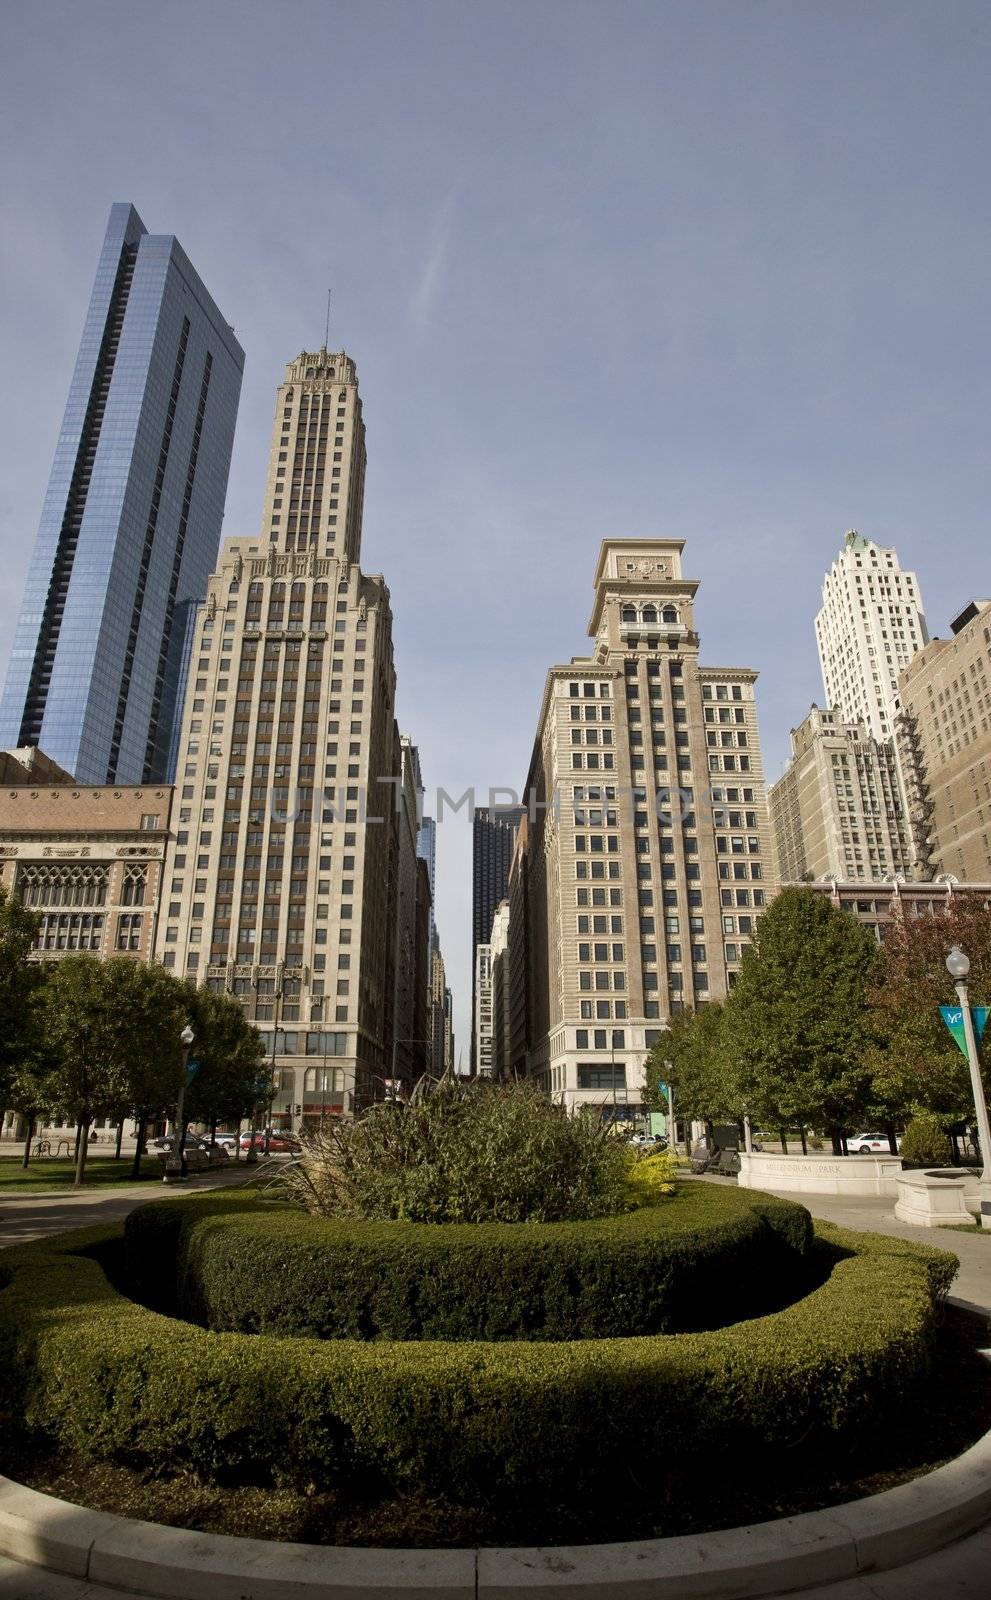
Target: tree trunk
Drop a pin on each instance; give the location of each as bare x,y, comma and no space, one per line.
139,1145
120,1138
783,1136
954,1150
889,1129
81,1152
836,1141
843,1146
75,1148
213,1130
27,1142
805,1142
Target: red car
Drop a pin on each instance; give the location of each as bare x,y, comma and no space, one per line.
278,1143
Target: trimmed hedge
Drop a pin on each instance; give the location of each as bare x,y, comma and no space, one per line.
697,1260
580,1421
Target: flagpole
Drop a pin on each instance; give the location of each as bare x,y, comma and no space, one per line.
958,966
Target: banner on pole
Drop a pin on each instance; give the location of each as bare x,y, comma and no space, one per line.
953,1017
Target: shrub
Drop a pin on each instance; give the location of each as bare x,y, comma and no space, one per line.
476,1152
691,1262
926,1142
585,1422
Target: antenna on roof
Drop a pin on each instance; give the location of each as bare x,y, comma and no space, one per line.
326,335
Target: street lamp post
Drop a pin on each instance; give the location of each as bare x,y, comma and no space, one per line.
175,1162
958,966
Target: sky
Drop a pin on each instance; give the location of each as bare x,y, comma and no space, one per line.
706,269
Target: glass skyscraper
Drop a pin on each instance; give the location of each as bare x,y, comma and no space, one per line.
131,522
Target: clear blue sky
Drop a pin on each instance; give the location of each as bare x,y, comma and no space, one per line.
714,270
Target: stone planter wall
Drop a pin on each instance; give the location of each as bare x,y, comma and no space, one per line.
820,1174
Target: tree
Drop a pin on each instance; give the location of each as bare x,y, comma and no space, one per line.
232,1075
916,1065
29,1091
692,1056
150,1008
796,1023
19,980
83,1034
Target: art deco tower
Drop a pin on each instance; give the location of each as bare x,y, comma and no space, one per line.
868,628
649,841
285,870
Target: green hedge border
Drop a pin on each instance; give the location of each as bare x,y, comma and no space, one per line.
102,1375
682,1264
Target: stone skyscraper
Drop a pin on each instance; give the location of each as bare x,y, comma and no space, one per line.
841,807
132,518
869,626
837,810
944,739
649,844
283,882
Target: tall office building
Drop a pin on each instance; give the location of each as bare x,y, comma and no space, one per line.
438,1011
499,963
944,737
838,810
649,842
409,1052
483,1041
426,849
493,834
870,624
283,883
132,518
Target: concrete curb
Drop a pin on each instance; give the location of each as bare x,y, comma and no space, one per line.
887,1530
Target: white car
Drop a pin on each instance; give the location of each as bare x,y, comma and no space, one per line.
869,1144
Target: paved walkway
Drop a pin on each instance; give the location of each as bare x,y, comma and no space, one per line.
876,1214
35,1213
960,1572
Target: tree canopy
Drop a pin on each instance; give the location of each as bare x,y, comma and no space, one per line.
916,1065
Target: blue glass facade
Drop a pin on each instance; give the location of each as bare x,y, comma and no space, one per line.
132,518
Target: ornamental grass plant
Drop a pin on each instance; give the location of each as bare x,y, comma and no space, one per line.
465,1152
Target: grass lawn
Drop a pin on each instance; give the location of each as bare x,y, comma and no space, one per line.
45,1173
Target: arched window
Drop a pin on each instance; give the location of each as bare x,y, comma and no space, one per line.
629,614
670,614
649,615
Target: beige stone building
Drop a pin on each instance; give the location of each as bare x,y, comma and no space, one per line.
483,1058
649,841
944,736
838,807
500,992
88,861
438,1021
870,624
518,954
281,880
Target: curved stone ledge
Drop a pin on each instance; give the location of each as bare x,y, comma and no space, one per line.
794,1553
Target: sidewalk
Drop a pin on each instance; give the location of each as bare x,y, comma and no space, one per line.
32,1215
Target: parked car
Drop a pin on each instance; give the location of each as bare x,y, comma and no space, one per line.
868,1144
228,1140
649,1141
278,1143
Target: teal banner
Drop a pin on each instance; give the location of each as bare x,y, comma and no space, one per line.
953,1017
